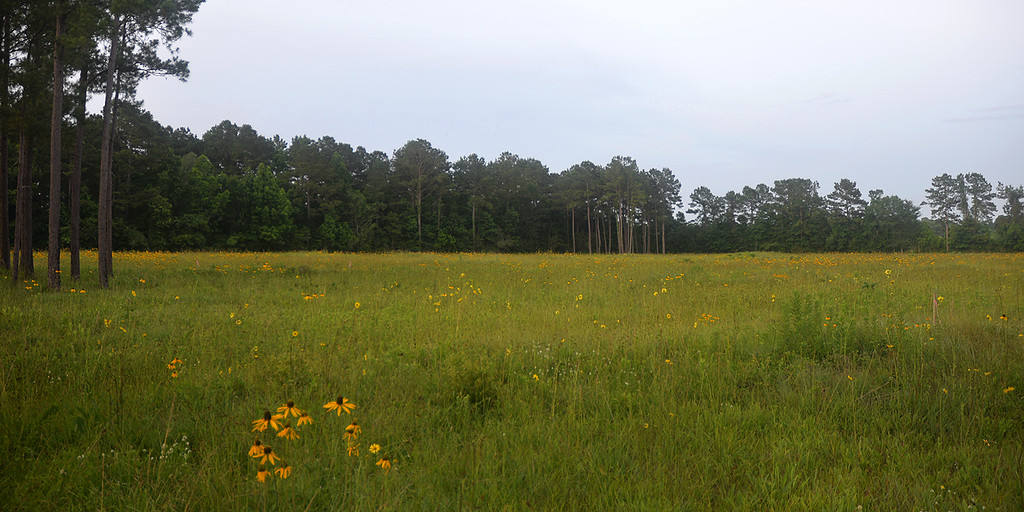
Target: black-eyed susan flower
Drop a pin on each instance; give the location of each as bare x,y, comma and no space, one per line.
352,431
341,404
353,449
256,450
262,474
284,472
288,433
304,419
268,419
385,464
289,408
374,448
269,456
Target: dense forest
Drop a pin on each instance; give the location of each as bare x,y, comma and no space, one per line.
122,180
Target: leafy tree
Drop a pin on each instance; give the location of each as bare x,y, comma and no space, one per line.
1009,227
979,194
271,223
237,149
890,223
799,217
420,169
943,199
473,181
708,207
846,212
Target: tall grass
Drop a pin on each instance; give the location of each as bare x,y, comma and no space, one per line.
553,382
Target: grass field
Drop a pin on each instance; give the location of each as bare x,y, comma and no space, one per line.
533,382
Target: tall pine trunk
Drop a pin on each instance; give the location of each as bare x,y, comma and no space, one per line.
590,249
574,230
5,56
23,264
53,244
75,187
105,236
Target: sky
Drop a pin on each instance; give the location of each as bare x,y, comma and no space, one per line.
724,93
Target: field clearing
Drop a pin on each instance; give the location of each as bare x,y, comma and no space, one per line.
752,381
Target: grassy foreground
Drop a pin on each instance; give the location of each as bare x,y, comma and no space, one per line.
537,382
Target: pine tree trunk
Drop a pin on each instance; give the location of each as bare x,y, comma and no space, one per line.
419,209
574,230
5,235
75,187
56,118
663,237
590,247
105,240
474,225
23,264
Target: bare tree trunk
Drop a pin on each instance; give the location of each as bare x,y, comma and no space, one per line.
23,264
5,235
618,228
663,236
574,230
5,243
590,249
105,240
75,187
419,208
474,224
597,231
56,117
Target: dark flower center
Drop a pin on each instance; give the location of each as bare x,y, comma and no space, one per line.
340,400
267,450
266,416
257,443
290,404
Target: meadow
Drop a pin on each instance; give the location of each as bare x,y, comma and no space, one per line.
752,381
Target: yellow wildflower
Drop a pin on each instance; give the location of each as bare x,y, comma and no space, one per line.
304,419
284,472
352,431
288,433
256,450
267,420
268,455
289,408
262,474
374,448
341,404
385,464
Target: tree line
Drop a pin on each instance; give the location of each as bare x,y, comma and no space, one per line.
112,45
135,184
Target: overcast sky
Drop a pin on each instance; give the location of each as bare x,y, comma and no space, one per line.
725,93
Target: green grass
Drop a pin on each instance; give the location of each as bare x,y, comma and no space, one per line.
536,382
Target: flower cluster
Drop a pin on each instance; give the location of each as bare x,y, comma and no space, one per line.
263,453
353,430
279,425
